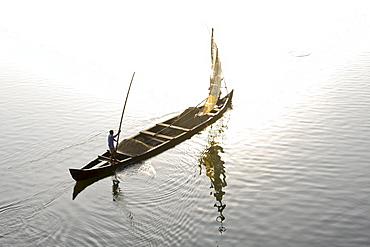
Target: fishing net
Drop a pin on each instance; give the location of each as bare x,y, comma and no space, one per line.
132,147
190,118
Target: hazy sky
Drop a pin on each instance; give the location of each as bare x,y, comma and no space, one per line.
129,27
170,39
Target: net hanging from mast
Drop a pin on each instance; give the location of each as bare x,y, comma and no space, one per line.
215,79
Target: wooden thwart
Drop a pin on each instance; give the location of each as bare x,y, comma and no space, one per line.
158,140
174,127
107,158
146,132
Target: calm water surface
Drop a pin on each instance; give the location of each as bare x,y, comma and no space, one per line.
297,178
288,165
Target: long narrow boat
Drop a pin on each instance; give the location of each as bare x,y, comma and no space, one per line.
166,134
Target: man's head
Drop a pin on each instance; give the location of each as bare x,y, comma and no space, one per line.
111,132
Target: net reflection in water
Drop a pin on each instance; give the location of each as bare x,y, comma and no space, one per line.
215,169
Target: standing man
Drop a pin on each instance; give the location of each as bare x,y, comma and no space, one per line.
111,146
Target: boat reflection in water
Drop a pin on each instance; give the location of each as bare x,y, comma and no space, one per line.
83,184
215,169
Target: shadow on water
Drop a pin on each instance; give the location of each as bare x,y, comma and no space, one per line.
215,169
83,184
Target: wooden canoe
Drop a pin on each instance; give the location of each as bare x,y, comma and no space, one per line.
157,139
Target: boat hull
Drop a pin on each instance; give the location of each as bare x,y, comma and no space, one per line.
96,168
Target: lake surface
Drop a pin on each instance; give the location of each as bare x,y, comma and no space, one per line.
288,165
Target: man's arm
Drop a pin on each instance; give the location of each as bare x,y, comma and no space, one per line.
117,135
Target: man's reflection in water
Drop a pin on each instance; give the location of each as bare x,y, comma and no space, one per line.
116,191
215,170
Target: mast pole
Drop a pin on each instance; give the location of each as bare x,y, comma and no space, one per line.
212,58
123,111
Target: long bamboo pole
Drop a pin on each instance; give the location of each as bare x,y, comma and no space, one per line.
123,111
